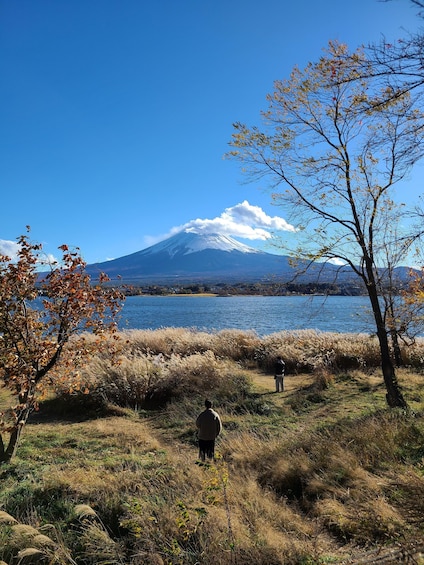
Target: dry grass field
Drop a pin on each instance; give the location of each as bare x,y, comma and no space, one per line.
321,473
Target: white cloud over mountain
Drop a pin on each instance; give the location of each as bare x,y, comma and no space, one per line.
242,220
9,248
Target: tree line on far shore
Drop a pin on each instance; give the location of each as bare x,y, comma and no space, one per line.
250,289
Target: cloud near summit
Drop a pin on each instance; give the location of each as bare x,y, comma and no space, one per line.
242,220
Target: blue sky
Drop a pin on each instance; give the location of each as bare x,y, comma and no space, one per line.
115,114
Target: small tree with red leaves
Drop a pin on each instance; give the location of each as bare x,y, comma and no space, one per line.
43,319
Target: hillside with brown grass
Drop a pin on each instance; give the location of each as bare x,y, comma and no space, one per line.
321,473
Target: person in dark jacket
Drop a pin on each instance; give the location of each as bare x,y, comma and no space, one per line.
279,371
209,427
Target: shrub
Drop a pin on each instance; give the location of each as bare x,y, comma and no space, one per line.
124,383
166,341
199,372
308,351
237,345
132,381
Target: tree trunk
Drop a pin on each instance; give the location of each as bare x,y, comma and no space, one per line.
394,336
6,454
394,395
2,451
396,348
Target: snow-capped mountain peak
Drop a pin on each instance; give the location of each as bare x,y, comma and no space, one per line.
186,242
189,256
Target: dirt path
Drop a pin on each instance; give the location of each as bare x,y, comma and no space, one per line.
185,456
264,383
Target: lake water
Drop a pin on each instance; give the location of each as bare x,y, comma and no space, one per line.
263,314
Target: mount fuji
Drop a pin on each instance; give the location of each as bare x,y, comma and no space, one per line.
193,257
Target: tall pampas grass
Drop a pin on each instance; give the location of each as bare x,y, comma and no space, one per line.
301,477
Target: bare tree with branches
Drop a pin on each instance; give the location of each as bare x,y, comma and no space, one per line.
333,146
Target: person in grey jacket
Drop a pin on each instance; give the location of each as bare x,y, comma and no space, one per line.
209,427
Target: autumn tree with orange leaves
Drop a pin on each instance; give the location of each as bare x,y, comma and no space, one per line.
44,320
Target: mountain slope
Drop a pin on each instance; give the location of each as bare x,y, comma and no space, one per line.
190,256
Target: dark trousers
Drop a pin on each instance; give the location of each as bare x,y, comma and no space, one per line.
206,448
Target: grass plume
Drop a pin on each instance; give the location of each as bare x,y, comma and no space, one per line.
107,473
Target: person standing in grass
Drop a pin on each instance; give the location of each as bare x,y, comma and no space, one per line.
209,427
280,369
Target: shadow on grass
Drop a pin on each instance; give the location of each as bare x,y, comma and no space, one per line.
73,410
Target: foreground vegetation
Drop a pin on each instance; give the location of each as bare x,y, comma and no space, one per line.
323,473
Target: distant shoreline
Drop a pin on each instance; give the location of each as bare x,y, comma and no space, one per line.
177,294
247,289
230,294
216,295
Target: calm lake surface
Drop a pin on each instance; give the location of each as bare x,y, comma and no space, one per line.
262,314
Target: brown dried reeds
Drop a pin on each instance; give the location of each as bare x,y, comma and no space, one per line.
326,464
